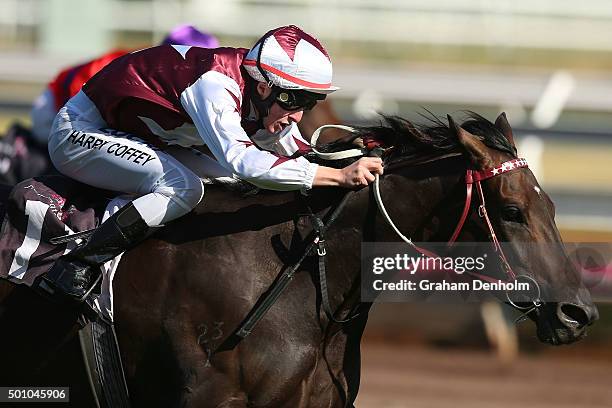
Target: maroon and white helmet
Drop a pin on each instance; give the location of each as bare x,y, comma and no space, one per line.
291,59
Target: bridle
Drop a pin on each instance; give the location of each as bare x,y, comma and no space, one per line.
475,177
472,177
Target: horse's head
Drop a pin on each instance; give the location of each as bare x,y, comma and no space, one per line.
425,162
522,216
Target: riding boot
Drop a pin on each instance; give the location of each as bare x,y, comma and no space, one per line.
74,273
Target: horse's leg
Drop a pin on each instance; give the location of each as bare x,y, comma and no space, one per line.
194,385
172,370
207,387
198,399
204,385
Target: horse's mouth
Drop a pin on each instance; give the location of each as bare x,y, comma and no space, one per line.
560,335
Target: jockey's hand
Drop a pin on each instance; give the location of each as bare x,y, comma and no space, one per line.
355,176
361,173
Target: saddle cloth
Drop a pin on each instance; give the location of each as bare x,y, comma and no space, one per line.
40,209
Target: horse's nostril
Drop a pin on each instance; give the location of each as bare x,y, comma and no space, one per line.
570,312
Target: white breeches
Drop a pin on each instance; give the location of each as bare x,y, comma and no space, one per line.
82,147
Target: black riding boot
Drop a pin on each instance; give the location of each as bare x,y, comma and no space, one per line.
74,273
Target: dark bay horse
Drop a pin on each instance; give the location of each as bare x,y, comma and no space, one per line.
181,294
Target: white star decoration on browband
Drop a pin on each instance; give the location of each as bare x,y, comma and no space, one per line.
502,168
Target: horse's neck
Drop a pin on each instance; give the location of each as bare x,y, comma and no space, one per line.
424,202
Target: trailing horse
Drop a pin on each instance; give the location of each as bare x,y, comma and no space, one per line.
21,156
181,295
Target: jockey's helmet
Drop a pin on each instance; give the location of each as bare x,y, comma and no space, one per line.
294,64
186,34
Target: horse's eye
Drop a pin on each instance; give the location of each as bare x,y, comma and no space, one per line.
512,213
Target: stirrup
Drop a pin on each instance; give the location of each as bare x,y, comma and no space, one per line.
58,281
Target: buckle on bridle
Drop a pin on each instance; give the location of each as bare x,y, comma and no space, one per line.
321,251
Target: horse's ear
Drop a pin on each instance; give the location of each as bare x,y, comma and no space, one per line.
476,151
502,124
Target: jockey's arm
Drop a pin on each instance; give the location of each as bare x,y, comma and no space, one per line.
212,104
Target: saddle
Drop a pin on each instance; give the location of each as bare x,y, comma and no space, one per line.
39,210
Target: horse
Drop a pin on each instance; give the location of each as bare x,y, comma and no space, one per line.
22,156
181,295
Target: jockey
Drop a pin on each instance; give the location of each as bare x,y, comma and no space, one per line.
130,128
70,80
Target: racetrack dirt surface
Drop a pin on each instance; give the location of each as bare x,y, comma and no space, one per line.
415,376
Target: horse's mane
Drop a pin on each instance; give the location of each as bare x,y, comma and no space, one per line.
413,141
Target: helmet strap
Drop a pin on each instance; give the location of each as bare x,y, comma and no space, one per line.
258,61
262,105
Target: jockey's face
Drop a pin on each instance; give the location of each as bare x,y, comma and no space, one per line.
278,118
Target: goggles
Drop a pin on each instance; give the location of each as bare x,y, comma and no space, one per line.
293,100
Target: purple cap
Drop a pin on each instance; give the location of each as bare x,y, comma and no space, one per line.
186,34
